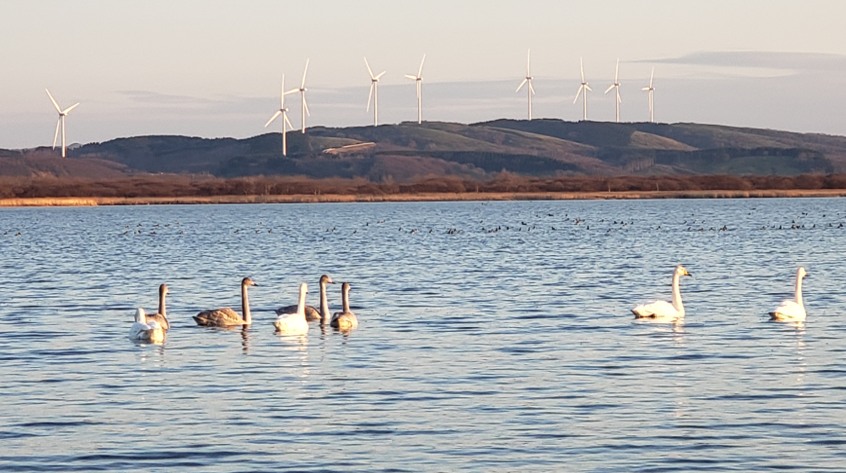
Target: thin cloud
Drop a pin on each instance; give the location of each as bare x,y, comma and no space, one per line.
785,61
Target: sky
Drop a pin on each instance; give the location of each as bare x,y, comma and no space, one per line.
213,68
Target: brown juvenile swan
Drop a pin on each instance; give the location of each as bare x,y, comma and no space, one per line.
344,320
161,316
311,313
226,317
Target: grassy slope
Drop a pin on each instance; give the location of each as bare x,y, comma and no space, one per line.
404,151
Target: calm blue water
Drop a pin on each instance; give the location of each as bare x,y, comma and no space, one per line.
493,337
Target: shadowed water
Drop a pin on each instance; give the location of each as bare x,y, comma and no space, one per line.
493,337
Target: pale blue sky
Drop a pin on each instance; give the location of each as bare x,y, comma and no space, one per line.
212,68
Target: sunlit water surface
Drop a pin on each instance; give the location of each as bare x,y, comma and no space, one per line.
493,337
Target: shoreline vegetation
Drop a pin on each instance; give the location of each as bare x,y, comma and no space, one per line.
163,189
419,197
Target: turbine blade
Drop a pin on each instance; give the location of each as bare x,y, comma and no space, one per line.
609,88
588,87
651,76
411,77
370,96
420,71
285,117
380,75
521,85
619,99
531,87
617,71
369,70
529,62
645,89
582,69
305,71
305,106
278,112
578,94
67,110
56,135
55,104
282,93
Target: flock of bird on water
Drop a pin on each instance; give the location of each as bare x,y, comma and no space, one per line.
294,319
290,320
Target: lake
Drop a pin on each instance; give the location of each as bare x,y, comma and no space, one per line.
493,336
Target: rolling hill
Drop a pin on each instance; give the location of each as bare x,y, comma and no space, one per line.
537,148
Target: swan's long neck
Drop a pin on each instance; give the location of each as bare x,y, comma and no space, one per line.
677,300
345,299
162,296
324,305
245,305
301,303
799,290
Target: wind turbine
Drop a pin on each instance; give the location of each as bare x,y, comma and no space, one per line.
583,90
419,80
649,90
303,102
530,90
616,85
374,92
60,123
283,111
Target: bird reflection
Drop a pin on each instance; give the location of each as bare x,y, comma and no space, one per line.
245,339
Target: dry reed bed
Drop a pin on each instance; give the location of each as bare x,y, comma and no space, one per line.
415,197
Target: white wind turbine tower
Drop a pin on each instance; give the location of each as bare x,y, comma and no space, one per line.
583,90
60,123
527,81
616,85
303,102
419,80
374,92
284,113
649,90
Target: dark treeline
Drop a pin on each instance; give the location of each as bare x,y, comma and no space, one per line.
204,186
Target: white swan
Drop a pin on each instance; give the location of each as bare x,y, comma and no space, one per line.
161,316
144,331
296,323
226,317
663,310
792,310
346,319
311,313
